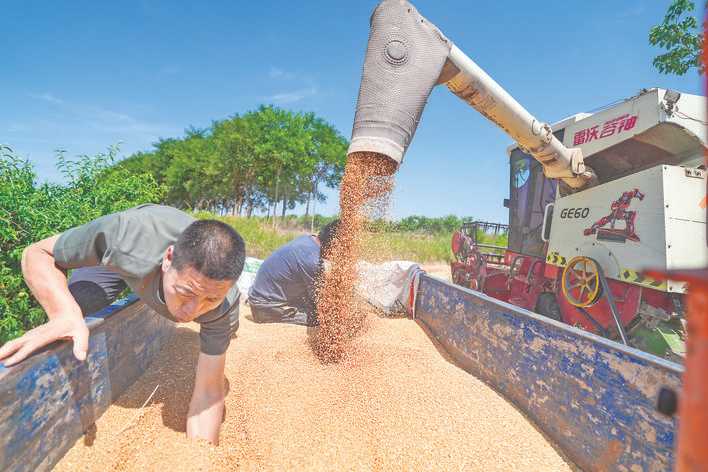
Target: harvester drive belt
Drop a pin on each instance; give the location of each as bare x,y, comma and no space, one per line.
611,301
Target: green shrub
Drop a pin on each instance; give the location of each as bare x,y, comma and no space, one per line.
30,212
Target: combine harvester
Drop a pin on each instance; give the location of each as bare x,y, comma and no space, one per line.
579,255
578,244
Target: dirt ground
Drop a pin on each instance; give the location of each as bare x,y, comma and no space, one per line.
440,270
394,403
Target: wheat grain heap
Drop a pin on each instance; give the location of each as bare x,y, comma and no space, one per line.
360,392
392,402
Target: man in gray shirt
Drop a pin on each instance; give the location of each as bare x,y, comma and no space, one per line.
183,269
284,288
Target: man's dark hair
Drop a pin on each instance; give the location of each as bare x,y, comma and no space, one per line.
211,247
326,237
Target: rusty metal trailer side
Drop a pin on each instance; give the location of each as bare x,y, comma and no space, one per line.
593,397
49,400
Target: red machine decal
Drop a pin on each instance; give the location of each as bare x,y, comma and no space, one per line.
619,210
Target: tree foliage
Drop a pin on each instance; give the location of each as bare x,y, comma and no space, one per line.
680,35
30,212
257,160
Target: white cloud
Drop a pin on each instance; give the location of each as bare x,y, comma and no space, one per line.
111,116
308,88
126,126
168,70
47,97
81,128
276,73
17,128
293,96
70,119
632,12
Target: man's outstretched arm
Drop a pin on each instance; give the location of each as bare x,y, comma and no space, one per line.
206,409
48,284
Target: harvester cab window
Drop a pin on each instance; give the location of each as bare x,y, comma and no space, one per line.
530,191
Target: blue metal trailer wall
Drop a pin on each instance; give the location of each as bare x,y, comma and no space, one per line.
595,398
48,401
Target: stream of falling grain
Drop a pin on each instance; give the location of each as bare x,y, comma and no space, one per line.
364,195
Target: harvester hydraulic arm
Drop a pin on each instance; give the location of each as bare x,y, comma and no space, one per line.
406,57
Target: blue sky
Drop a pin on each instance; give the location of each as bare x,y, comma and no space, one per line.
82,75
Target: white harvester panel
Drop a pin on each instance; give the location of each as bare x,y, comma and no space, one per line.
644,120
652,219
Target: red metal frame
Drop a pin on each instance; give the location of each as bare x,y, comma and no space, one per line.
627,299
521,279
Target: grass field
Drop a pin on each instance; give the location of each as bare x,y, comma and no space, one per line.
261,239
418,247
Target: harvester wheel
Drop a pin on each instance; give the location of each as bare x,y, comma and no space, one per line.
581,281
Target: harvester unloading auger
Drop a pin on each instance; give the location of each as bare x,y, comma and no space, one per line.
406,57
634,196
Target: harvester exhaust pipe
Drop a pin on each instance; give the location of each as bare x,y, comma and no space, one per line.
406,57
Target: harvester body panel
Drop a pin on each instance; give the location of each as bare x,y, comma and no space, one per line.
648,220
651,128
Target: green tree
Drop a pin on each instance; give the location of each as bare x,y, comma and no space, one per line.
680,35
328,151
265,159
235,139
278,157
